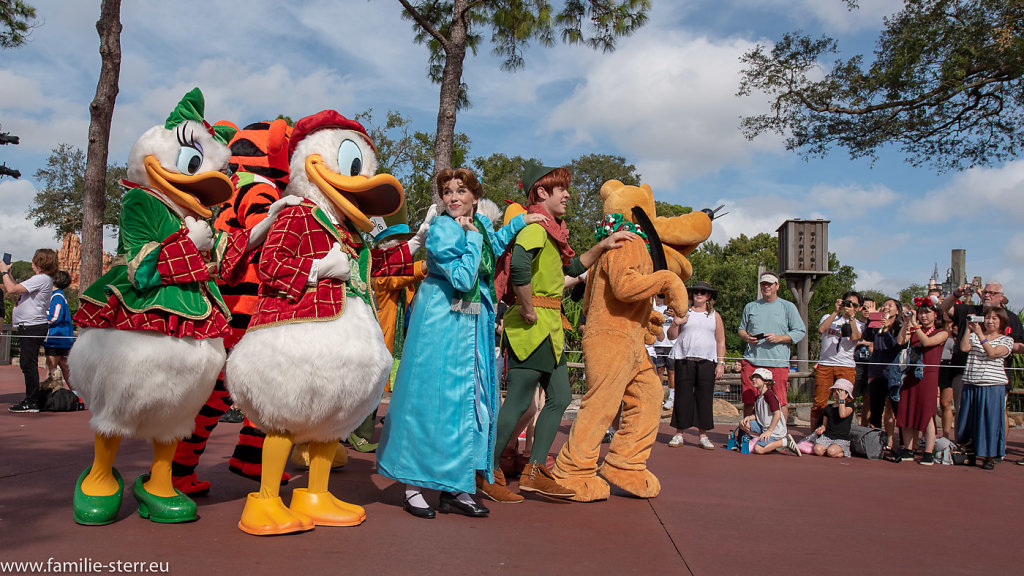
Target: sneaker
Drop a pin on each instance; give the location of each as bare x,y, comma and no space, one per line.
901,454
927,459
706,444
25,406
676,441
233,416
668,404
791,445
1020,462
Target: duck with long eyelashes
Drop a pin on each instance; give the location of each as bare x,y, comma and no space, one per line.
152,327
313,362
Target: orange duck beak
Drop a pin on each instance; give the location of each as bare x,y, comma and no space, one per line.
358,197
194,193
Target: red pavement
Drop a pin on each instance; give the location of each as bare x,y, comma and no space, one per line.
719,513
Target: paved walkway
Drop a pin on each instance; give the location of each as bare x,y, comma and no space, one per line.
719,513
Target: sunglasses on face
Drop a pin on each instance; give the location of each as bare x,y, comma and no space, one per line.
699,292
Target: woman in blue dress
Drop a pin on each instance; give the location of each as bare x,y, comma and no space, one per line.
440,426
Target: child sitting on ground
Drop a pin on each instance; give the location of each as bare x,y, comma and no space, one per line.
834,433
767,422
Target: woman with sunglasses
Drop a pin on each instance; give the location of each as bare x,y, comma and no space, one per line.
925,334
699,353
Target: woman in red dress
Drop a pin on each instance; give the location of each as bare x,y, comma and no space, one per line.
926,333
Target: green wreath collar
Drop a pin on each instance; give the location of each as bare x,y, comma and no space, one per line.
612,223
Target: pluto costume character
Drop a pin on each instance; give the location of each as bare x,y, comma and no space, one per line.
620,316
313,363
152,327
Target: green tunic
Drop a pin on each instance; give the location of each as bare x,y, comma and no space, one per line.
548,280
145,222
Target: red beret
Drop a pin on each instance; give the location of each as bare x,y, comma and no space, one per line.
321,120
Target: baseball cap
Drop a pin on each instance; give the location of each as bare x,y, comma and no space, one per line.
763,373
769,277
842,384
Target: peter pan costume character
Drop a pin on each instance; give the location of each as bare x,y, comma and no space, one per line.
151,343
540,259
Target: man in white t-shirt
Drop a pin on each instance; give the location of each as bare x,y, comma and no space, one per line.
840,332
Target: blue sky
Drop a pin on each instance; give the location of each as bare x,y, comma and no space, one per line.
665,100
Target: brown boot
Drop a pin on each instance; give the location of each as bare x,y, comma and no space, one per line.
496,491
537,478
499,478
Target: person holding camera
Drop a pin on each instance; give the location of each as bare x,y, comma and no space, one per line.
840,332
925,335
884,351
769,327
983,399
31,317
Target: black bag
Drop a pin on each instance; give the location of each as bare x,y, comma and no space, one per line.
867,442
62,400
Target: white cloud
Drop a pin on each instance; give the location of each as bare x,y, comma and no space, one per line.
17,233
667,99
880,281
837,17
991,193
851,201
1013,250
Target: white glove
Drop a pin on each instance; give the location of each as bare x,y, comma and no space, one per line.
416,242
334,264
259,232
199,233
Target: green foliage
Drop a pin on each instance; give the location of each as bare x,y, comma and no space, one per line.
408,156
668,210
58,204
732,270
501,176
875,295
907,294
585,209
17,18
945,86
514,23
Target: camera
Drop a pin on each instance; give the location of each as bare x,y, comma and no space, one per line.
847,303
977,319
908,313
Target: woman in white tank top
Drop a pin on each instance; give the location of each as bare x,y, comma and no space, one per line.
698,354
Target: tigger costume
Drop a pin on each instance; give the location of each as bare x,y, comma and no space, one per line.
259,160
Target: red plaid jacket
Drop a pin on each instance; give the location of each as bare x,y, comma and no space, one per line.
298,237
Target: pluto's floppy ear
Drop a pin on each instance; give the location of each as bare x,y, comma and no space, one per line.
645,224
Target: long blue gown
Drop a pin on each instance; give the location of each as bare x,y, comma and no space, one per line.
440,425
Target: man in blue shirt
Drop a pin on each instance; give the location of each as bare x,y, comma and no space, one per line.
769,326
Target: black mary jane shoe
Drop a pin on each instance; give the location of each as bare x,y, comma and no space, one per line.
424,512
450,503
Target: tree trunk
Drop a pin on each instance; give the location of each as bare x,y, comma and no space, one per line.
101,111
451,82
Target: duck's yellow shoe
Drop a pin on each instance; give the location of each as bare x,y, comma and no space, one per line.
270,517
300,456
326,510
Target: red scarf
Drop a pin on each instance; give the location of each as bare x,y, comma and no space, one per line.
559,234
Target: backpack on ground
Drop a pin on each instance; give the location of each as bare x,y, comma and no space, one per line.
62,400
867,442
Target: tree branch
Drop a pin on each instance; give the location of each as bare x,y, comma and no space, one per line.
425,25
